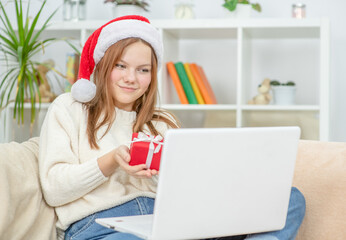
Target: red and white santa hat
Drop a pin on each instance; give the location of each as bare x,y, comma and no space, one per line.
83,90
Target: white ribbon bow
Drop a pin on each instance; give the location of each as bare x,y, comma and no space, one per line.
142,137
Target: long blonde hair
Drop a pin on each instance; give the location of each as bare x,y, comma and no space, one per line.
101,109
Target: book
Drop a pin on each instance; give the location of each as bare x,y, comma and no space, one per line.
185,82
208,99
206,83
194,85
72,67
176,81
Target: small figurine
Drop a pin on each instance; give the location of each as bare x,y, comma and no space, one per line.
263,96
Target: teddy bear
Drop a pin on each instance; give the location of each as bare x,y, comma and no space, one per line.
263,96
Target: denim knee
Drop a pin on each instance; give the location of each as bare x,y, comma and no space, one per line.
299,202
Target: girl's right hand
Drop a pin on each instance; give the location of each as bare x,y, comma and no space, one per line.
121,157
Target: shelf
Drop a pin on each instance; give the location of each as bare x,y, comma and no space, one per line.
279,32
28,105
201,24
77,26
208,33
201,107
217,107
280,108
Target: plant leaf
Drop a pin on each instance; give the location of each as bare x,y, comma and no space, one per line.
19,12
72,46
230,4
8,44
256,7
5,85
32,95
35,49
9,29
44,25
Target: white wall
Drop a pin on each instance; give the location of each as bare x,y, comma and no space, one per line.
333,9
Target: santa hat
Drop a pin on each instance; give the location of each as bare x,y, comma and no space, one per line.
83,90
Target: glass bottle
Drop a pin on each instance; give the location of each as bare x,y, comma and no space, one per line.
298,10
74,10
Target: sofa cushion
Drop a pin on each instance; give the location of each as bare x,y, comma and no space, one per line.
23,212
320,174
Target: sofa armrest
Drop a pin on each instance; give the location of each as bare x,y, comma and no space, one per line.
320,174
23,212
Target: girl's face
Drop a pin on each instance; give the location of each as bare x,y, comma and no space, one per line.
131,75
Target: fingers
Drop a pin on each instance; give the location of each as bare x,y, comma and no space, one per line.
123,158
123,153
139,171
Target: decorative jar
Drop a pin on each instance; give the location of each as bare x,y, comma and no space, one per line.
74,10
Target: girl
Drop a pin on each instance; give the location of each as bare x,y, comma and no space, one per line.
84,143
84,139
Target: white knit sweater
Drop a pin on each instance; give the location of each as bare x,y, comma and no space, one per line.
71,179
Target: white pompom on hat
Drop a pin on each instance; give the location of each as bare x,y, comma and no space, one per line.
131,26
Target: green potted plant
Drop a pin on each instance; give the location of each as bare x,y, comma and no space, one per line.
240,8
283,93
127,7
20,41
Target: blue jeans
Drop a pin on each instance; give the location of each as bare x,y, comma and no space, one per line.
88,229
295,216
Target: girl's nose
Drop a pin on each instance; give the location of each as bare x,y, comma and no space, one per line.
130,75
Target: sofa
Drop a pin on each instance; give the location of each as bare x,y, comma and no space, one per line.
320,174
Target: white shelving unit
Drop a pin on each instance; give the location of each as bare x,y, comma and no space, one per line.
21,132
236,56
310,38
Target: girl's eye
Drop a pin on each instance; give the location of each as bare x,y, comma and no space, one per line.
144,70
121,66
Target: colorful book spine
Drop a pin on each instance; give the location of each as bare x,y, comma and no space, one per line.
206,83
202,87
186,83
194,85
72,65
176,81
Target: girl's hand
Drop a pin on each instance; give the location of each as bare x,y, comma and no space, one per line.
122,157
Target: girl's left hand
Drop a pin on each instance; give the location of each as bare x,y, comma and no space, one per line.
138,171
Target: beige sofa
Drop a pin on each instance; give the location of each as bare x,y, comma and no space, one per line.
320,174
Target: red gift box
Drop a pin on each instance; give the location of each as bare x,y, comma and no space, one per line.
146,149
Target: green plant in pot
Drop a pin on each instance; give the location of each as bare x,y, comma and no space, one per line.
139,3
20,41
277,83
283,92
231,5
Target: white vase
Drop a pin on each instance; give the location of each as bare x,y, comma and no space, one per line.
284,95
121,10
241,11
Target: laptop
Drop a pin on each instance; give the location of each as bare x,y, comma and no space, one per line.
219,182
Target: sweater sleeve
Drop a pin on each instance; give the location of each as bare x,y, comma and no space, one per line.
63,176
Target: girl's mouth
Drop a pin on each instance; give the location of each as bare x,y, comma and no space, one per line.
127,89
